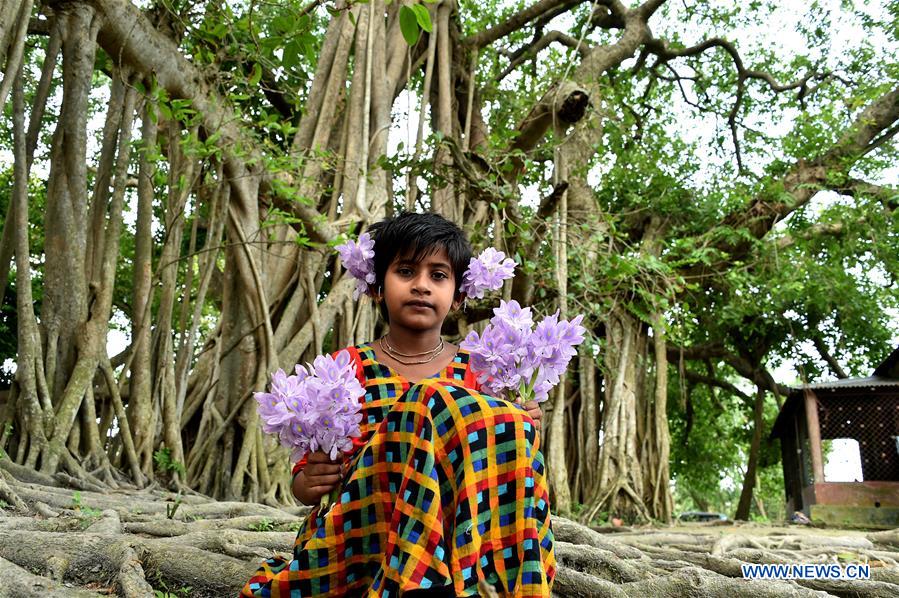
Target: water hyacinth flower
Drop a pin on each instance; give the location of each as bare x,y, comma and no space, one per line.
317,408
358,257
487,272
514,358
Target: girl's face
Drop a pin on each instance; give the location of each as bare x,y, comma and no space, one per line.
420,294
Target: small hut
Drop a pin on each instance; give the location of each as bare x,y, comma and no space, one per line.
862,409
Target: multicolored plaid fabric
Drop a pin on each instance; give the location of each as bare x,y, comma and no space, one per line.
449,489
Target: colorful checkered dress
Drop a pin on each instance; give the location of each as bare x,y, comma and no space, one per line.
447,488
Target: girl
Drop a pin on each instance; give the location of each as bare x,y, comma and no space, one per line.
445,487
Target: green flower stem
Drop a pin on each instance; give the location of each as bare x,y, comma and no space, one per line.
526,391
327,499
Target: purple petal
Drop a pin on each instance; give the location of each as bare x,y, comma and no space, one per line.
358,259
487,273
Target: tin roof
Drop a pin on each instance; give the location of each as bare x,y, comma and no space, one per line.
869,382
886,374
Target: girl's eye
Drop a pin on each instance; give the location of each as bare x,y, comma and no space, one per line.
404,271
439,275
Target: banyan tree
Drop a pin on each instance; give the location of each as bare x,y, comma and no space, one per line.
182,170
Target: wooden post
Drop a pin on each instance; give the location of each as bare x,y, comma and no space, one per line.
814,435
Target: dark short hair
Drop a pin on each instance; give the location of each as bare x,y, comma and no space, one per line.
417,236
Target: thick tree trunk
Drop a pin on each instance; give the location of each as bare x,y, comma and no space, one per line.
444,200
29,351
14,20
749,479
206,265
657,491
9,20
65,306
140,386
557,466
181,182
620,471
587,437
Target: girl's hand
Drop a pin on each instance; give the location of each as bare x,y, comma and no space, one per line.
319,478
533,409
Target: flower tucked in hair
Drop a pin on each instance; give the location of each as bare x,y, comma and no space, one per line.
487,273
316,409
358,258
512,357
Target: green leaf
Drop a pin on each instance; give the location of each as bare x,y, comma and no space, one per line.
423,17
219,30
283,24
291,55
409,25
256,75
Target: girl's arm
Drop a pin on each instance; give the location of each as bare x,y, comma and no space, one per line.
319,477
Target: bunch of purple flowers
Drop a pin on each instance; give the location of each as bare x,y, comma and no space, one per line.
514,359
318,408
358,258
487,273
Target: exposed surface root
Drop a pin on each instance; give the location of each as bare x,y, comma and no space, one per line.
56,541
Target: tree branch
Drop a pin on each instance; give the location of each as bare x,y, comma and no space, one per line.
647,9
865,133
548,203
857,188
711,350
39,26
531,49
757,374
606,17
710,381
565,103
888,196
660,48
469,165
517,21
280,99
828,358
881,139
832,229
